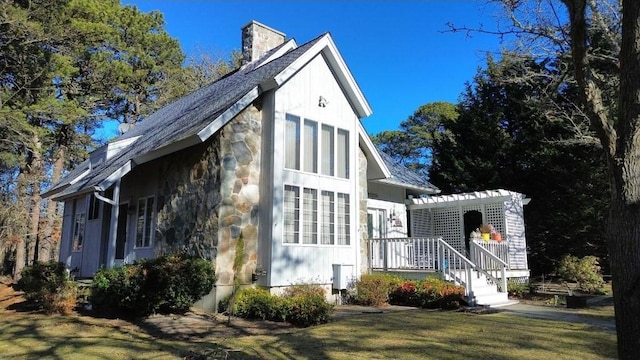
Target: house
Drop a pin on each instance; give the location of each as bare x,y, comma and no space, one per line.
273,153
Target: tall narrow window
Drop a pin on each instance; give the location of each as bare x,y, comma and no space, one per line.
310,216
291,214
144,222
327,150
328,215
344,221
78,232
310,146
292,142
343,154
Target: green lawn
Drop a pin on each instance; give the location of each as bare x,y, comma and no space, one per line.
417,334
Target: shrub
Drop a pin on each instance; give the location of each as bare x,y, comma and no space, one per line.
374,289
169,284
585,272
517,289
50,286
301,305
405,294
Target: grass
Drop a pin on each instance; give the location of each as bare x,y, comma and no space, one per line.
417,334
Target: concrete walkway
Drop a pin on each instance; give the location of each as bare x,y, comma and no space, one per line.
560,313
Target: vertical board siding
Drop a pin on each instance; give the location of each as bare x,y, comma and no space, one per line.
293,263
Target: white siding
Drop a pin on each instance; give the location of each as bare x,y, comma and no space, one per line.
396,217
514,219
300,96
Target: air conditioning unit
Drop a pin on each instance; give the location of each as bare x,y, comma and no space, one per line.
342,274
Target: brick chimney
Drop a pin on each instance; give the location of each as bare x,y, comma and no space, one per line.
258,39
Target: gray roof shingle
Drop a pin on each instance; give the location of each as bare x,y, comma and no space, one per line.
185,117
404,177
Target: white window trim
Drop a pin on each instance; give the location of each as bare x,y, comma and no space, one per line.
152,225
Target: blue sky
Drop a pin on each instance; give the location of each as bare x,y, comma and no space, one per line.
398,51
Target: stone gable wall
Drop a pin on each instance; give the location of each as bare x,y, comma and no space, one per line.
188,199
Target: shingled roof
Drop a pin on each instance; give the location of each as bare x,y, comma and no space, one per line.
181,121
404,177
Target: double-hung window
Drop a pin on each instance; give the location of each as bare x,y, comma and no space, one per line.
144,222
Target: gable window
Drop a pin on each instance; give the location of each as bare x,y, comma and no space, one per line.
78,232
318,217
316,148
144,222
327,150
343,154
292,142
310,146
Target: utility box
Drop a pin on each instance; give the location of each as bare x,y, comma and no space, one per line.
342,274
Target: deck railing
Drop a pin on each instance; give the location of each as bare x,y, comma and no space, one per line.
499,249
488,263
435,254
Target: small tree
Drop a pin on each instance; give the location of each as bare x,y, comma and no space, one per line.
584,272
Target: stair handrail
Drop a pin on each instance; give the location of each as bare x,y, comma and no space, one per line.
478,254
467,266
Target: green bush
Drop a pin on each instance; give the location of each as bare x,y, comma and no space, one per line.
585,272
436,293
301,305
374,289
517,289
50,286
169,284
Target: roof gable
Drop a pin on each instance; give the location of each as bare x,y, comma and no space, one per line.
195,117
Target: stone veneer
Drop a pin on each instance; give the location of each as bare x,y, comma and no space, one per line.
208,195
363,195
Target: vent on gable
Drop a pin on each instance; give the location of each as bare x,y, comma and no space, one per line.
258,39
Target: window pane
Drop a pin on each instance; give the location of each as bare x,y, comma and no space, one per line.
328,216
310,216
148,222
292,142
78,232
310,146
94,207
327,150
140,223
291,214
343,154
344,221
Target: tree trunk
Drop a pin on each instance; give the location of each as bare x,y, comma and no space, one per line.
35,176
20,231
624,216
50,239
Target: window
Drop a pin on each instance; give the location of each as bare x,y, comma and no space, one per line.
94,207
344,222
291,214
310,146
310,216
307,150
328,215
78,232
327,150
318,217
292,142
144,221
343,154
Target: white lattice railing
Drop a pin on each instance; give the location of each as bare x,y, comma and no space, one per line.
403,254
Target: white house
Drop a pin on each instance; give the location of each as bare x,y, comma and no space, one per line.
274,153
